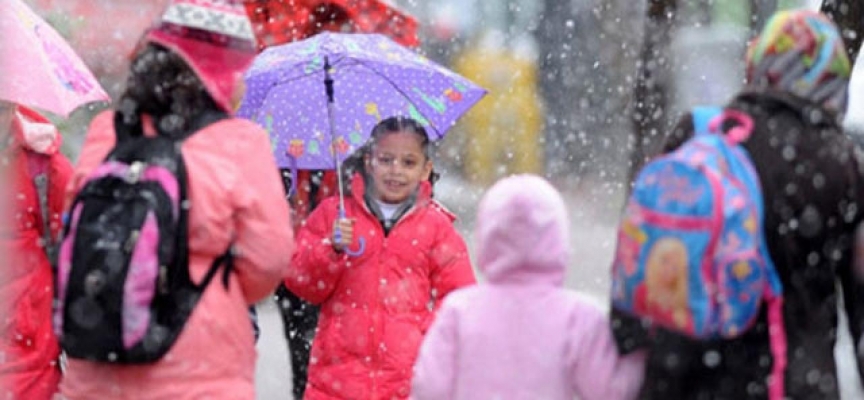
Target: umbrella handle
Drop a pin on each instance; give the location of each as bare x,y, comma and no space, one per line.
362,248
361,241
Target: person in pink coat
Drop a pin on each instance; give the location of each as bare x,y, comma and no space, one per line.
236,199
29,148
520,334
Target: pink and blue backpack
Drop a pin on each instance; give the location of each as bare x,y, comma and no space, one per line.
691,254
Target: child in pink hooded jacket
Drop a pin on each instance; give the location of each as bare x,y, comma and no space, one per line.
521,335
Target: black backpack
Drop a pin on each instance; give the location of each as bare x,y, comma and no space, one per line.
123,287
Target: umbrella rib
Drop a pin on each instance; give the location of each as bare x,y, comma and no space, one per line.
306,75
356,61
405,95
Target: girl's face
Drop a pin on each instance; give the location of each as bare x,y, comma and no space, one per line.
397,165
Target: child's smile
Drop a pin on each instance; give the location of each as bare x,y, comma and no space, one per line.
397,166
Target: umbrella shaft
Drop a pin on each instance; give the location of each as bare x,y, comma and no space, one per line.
328,87
336,155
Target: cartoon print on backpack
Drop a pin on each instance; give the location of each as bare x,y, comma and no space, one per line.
689,257
665,289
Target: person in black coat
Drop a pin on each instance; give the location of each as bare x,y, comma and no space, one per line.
812,177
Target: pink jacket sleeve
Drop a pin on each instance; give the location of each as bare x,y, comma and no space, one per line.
264,238
598,372
316,266
435,366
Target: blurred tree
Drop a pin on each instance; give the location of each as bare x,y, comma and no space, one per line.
849,17
651,94
564,76
588,51
652,103
760,11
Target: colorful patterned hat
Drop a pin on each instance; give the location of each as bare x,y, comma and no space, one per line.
801,52
215,39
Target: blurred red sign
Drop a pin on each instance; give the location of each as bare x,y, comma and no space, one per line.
281,21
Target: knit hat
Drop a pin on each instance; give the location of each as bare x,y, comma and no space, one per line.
801,52
214,37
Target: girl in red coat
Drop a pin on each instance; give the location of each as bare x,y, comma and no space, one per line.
29,148
379,273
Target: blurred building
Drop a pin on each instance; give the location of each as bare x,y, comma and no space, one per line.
504,130
493,44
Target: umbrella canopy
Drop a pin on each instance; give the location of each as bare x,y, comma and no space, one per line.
373,78
106,48
281,21
37,66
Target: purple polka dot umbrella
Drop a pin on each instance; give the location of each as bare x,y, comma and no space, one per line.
373,78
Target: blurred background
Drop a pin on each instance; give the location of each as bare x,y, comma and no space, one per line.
577,87
577,91
565,96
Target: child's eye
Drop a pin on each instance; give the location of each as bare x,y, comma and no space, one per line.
385,160
409,163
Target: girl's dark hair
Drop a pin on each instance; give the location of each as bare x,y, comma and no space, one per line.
402,124
163,86
356,161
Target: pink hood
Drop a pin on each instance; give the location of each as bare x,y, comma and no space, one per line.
35,132
522,232
521,336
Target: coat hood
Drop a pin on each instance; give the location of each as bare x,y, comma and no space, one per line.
215,39
522,234
35,132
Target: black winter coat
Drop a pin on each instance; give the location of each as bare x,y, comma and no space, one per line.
813,188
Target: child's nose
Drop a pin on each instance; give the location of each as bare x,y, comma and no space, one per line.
397,166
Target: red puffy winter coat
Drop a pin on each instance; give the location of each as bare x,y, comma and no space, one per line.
375,307
29,369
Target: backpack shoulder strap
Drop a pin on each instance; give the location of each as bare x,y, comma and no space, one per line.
708,120
226,259
702,117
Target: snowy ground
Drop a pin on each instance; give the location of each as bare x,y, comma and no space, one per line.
594,211
273,373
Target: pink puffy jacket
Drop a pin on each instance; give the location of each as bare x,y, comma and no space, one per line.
236,197
520,335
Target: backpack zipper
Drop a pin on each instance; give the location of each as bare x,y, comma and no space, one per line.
133,175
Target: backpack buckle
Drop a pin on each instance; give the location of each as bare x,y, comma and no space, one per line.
133,175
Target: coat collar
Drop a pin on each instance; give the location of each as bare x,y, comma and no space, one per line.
32,131
358,191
